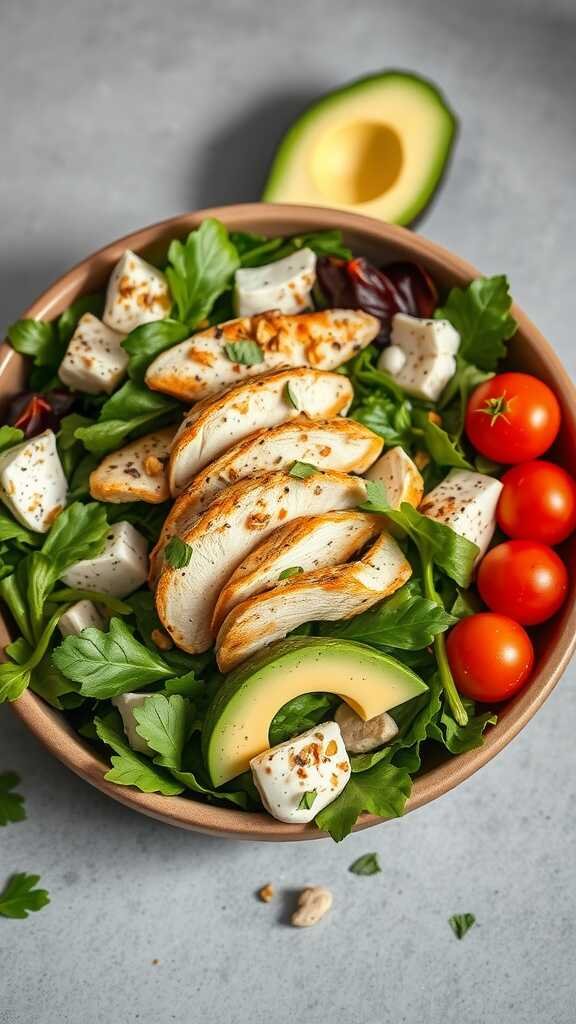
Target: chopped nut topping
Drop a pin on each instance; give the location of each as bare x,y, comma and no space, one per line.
153,465
313,904
266,893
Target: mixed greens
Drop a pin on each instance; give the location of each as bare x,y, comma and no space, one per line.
82,674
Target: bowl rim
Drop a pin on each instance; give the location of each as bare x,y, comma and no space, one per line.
45,723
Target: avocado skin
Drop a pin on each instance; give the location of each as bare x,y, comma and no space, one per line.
270,656
415,213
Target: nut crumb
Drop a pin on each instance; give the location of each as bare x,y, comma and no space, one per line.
161,640
266,893
313,904
155,962
153,466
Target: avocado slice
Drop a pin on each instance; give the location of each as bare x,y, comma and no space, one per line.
376,147
238,719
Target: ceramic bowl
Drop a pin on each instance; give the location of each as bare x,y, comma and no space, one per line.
528,351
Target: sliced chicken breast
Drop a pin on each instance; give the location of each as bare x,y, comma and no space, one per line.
313,542
213,426
137,472
241,517
325,594
400,476
328,444
220,356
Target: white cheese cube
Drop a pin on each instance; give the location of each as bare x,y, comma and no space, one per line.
137,294
466,502
421,358
32,482
121,568
316,762
94,362
126,703
400,477
80,616
285,285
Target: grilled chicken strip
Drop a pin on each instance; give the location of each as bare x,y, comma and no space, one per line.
218,357
326,594
242,516
137,472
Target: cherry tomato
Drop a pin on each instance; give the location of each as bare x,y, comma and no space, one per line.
490,655
523,579
512,418
538,502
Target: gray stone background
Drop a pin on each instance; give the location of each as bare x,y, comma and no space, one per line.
117,114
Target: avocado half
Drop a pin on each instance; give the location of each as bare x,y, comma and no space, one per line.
238,719
378,147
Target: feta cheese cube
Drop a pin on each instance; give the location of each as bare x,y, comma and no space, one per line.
466,502
32,482
400,476
126,703
94,362
137,294
121,568
421,358
285,285
316,761
80,616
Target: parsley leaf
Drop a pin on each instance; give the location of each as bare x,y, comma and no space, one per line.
302,470
132,769
177,554
164,722
481,315
383,790
247,353
20,897
11,804
108,664
368,864
146,342
287,574
406,621
200,270
461,923
307,799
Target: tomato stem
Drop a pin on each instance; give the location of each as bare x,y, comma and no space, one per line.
446,678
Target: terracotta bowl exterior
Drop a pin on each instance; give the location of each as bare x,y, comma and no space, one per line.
528,351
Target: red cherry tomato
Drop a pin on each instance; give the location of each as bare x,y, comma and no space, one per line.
512,418
490,655
523,579
538,502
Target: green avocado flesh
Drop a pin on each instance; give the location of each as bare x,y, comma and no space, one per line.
376,147
239,717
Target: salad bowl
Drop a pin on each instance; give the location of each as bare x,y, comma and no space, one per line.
528,352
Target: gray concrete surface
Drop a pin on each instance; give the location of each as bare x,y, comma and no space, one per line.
114,115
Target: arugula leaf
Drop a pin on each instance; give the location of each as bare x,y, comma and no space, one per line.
70,595
366,377
108,664
247,353
406,621
254,250
20,896
367,864
15,678
132,769
131,408
287,574
70,449
302,470
146,342
49,683
299,714
459,739
200,270
164,722
441,447
307,800
177,554
465,603
481,315
36,338
9,436
383,790
68,321
454,554
11,594
461,923
11,804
